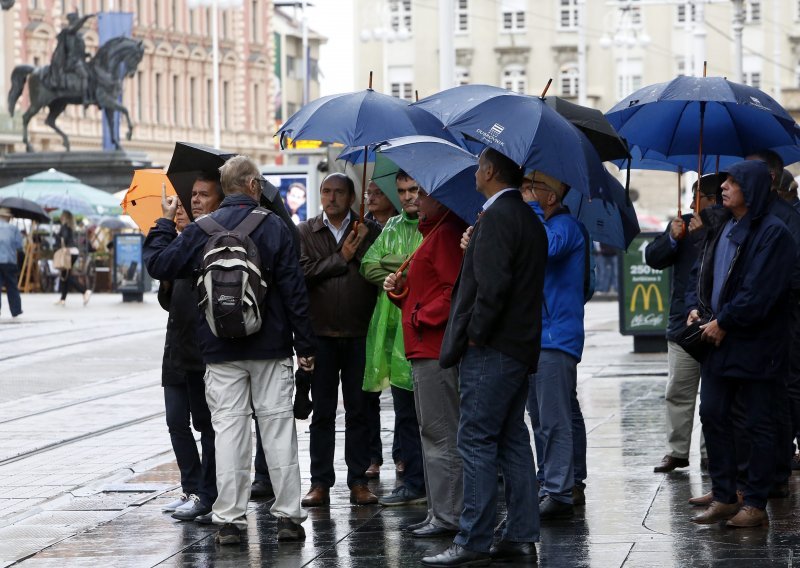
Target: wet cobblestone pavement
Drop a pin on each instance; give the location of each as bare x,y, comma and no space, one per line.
84,487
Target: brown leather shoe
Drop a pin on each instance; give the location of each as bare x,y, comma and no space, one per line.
361,495
716,512
373,471
668,463
749,516
399,468
705,500
317,496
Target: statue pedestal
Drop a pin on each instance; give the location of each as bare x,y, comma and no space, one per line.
109,171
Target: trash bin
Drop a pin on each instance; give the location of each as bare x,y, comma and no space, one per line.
643,298
128,273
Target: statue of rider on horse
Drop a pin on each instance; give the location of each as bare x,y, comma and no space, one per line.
74,78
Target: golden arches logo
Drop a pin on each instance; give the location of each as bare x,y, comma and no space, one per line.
646,292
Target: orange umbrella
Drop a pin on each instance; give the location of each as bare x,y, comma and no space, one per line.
143,199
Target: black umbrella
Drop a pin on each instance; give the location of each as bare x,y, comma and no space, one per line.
22,208
188,161
595,125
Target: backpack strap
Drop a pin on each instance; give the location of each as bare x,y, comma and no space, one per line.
252,221
209,226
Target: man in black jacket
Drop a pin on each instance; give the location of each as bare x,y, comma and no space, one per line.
743,286
182,378
255,368
494,335
678,247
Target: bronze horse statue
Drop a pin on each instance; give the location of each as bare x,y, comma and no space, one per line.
115,60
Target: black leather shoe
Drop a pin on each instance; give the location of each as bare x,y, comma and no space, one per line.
457,556
204,519
419,525
517,551
668,463
432,531
704,464
261,490
191,513
552,509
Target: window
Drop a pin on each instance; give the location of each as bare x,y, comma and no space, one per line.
512,15
400,14
751,68
156,14
291,108
223,32
175,101
291,68
192,101
514,79
462,15
158,98
175,17
192,21
462,76
226,99
401,80
568,80
752,11
313,69
256,108
681,11
254,12
139,96
568,14
209,103
680,66
209,31
629,77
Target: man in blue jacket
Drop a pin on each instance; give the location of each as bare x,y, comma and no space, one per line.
743,283
255,368
559,431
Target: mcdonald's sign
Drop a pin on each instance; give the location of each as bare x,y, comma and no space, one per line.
646,291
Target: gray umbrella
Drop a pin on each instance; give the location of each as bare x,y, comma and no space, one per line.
22,208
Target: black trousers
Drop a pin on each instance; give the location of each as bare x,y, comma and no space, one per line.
339,359
186,404
260,462
374,422
407,429
757,397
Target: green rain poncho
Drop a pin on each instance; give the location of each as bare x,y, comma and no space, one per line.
386,355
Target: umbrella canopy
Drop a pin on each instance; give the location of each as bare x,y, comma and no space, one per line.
188,161
443,169
610,220
53,182
143,198
113,223
65,202
523,128
594,125
22,208
737,120
358,119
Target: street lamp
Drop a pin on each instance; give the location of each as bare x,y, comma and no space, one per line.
626,35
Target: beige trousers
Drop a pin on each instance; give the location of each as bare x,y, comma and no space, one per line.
683,384
230,388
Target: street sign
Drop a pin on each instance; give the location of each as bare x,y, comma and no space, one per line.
644,292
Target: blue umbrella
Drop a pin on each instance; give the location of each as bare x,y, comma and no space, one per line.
444,170
523,128
729,119
610,218
65,201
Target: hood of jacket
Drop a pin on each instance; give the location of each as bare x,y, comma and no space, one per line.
754,179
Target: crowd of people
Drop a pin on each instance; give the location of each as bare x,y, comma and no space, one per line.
441,313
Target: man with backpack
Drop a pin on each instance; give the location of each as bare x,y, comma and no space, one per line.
254,300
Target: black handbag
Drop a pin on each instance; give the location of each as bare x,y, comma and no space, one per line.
690,340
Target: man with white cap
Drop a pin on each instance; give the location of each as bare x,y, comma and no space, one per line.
10,243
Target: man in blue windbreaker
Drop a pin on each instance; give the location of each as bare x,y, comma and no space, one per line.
559,429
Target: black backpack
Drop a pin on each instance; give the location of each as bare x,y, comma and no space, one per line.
231,284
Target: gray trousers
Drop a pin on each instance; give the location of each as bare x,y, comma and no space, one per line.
683,383
437,401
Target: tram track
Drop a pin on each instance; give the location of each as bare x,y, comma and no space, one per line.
51,347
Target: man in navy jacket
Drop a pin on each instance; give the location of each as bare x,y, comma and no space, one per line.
743,283
257,367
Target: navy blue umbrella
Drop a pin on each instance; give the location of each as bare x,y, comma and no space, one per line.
523,128
610,217
731,119
444,170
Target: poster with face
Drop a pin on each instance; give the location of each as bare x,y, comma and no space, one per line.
293,190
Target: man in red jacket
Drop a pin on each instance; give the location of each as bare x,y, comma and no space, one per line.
431,276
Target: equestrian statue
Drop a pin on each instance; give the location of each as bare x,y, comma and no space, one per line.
72,78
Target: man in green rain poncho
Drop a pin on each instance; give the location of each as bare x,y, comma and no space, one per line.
386,363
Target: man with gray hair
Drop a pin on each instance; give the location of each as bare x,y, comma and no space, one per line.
253,369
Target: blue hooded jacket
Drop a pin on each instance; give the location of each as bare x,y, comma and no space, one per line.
753,302
562,310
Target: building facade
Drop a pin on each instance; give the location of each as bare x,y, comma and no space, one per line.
171,96
521,44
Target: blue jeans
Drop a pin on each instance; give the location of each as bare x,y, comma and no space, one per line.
555,413
8,278
184,403
492,431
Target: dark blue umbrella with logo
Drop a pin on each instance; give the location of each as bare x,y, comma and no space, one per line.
523,128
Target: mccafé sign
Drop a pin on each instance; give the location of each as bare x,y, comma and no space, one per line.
644,292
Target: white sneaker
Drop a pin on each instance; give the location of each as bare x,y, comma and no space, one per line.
61,303
190,502
87,296
179,502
